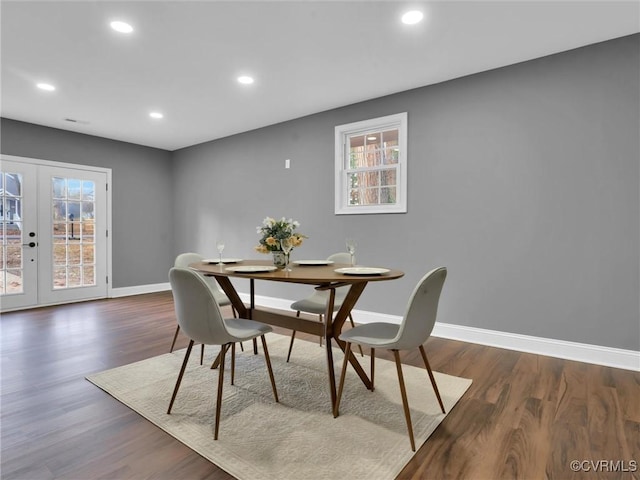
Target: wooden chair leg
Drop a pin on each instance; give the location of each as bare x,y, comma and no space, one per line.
268,362
175,336
201,354
241,347
216,362
184,367
347,352
405,402
353,325
321,321
233,362
293,337
373,367
255,347
433,380
220,385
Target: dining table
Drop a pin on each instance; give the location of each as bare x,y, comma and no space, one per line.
324,276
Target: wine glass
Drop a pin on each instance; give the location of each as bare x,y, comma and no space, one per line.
287,245
220,247
351,248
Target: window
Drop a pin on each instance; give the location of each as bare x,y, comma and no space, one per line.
371,166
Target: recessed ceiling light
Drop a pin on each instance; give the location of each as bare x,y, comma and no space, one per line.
46,86
121,27
245,80
412,17
372,138
156,115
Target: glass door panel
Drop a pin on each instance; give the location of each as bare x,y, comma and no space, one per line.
77,250
73,219
18,242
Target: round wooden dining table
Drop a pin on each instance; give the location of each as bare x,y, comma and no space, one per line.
323,277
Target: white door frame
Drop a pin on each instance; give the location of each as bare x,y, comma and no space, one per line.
107,172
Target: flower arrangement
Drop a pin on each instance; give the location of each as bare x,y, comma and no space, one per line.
274,231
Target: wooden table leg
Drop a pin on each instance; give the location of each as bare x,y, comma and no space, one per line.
328,335
343,314
236,302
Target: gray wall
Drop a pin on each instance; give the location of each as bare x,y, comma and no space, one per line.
523,181
142,192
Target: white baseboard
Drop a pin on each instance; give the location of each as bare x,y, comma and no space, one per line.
581,352
140,289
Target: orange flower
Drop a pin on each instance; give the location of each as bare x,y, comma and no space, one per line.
271,241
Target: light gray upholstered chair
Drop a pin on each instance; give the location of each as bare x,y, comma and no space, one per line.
414,330
200,318
183,261
317,302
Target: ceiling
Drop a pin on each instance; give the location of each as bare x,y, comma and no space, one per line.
183,57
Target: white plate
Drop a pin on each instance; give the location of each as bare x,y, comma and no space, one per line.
313,262
251,269
362,270
224,260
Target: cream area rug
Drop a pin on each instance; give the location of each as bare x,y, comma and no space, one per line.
297,438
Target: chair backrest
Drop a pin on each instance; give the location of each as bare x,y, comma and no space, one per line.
185,259
420,316
341,292
197,311
341,257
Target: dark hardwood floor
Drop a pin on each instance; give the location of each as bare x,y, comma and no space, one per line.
525,416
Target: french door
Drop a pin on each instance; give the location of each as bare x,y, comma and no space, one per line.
54,234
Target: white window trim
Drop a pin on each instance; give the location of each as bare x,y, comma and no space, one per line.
342,207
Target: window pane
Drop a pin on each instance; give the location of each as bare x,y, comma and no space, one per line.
59,188
87,232
388,177
13,185
354,196
88,191
369,196
14,281
387,195
74,278
87,210
59,210
73,189
59,232
59,254
87,254
14,256
73,211
74,230
73,254
59,277
88,275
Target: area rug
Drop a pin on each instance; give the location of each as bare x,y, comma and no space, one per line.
297,438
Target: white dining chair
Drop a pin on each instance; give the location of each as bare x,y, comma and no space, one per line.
183,261
201,320
317,302
414,330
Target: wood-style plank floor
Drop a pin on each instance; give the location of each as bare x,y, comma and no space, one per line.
525,416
